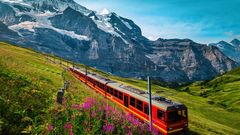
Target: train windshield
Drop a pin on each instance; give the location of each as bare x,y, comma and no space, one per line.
177,115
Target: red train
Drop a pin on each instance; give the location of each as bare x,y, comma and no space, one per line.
169,117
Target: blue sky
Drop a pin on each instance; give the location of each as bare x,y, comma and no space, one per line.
203,21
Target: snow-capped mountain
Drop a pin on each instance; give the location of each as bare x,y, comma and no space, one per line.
232,49
107,41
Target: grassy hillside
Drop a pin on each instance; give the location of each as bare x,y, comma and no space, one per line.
223,90
28,89
206,114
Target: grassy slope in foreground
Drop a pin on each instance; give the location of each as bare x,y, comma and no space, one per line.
204,118
28,89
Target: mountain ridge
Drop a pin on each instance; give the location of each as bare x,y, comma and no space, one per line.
230,49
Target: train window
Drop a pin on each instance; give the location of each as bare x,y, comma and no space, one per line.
160,115
108,90
120,96
111,91
90,80
139,105
174,116
146,109
115,93
132,101
101,86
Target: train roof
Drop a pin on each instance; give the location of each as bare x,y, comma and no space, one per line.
159,101
101,79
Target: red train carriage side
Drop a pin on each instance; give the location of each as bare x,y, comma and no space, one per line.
169,117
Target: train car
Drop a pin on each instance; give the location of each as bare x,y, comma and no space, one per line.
169,117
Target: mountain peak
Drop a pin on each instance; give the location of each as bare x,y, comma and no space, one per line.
235,42
55,5
223,43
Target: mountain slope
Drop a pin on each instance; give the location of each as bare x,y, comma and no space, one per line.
6,33
232,49
108,41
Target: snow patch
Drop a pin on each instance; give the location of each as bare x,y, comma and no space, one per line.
127,24
21,2
93,17
31,25
119,31
25,25
104,12
71,34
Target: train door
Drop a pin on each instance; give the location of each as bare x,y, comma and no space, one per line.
125,100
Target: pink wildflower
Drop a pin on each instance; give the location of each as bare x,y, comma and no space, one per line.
50,128
86,106
129,133
68,126
108,128
71,133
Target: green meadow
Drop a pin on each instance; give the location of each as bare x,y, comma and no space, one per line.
224,90
28,88
29,85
